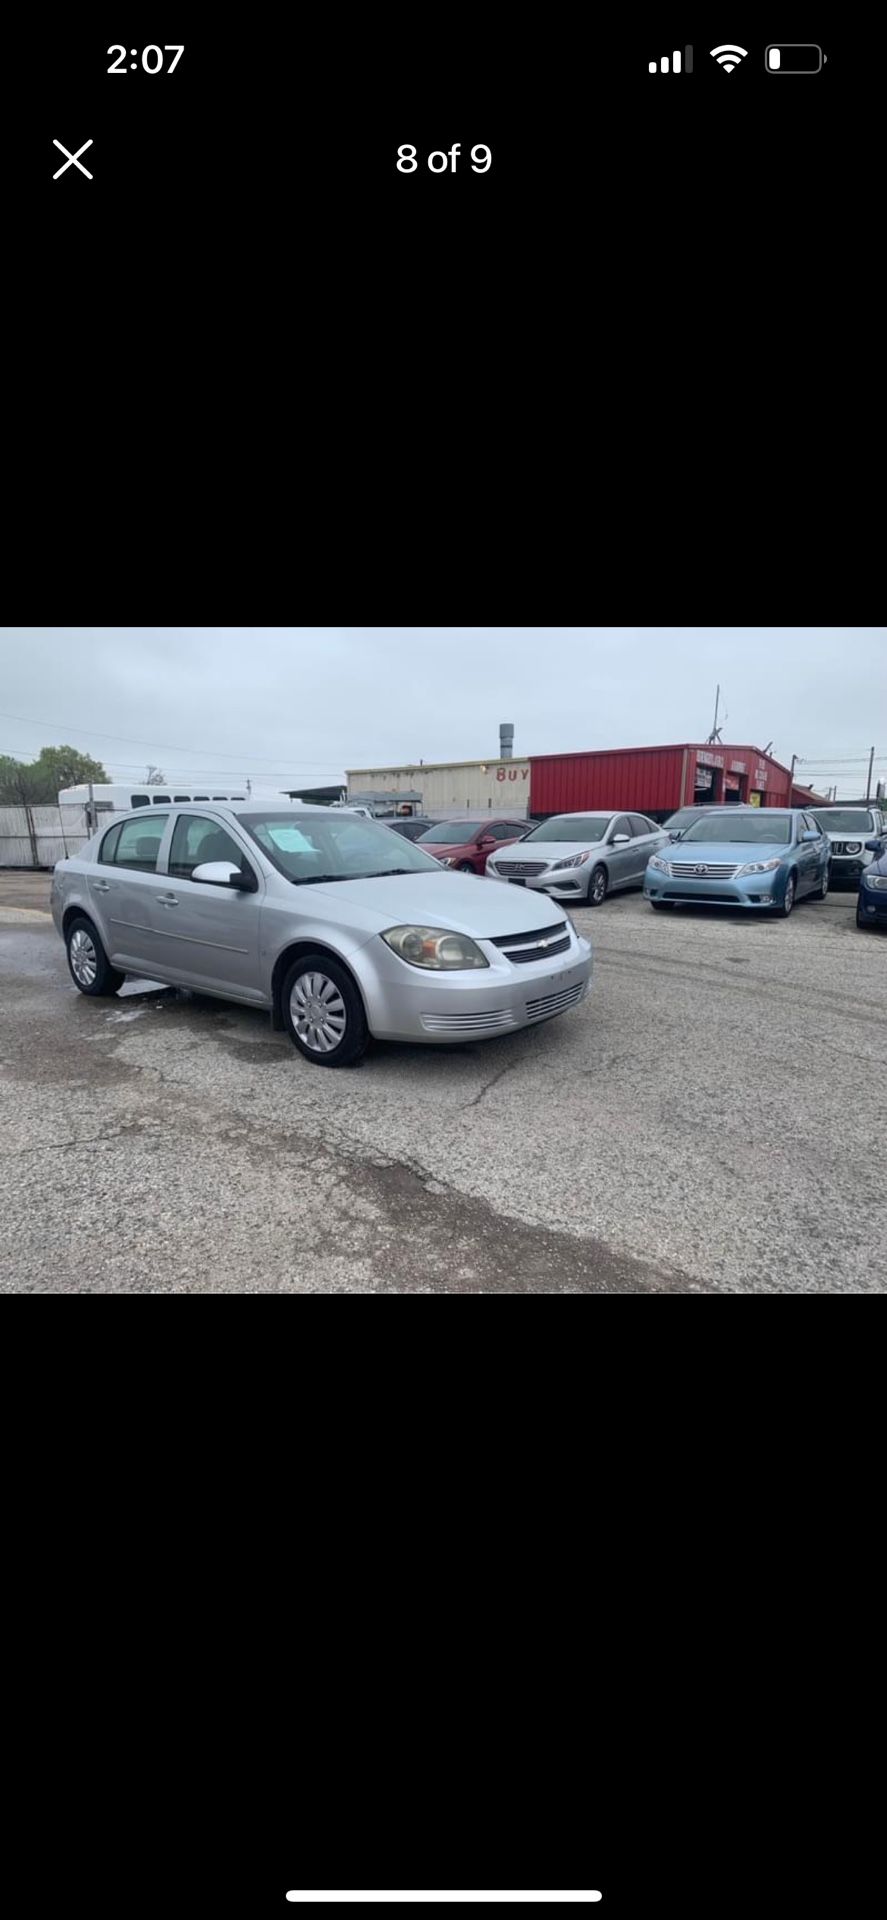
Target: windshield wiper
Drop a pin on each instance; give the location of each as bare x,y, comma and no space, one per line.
320,879
384,873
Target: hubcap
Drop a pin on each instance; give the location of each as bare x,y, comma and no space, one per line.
789,895
318,1012
599,886
84,961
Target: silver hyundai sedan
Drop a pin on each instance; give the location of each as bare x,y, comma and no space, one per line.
387,942
581,856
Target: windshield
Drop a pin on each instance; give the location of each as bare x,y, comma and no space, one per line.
679,821
572,826
844,820
455,831
751,829
337,847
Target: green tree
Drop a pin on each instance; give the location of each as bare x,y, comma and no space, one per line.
36,783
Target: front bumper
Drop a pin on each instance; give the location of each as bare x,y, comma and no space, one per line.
845,868
571,885
754,890
872,905
407,1003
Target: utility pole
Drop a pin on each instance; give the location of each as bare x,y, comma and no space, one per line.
868,784
714,732
91,809
791,780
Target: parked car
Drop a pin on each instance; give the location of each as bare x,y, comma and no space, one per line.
582,856
412,828
466,844
871,903
677,823
765,857
337,928
850,829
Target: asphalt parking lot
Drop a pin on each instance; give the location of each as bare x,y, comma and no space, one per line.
707,1121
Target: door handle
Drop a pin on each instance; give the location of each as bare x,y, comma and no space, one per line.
167,899
102,886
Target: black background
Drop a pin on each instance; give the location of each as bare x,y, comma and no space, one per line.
638,351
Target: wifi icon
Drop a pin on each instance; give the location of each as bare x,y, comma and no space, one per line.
728,57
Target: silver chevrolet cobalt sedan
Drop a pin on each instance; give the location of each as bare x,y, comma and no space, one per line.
340,928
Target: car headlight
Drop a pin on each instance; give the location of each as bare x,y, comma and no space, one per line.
434,947
759,866
662,866
875,880
853,846
575,860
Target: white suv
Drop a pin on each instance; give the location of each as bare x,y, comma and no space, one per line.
848,829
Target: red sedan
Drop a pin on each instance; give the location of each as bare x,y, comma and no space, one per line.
467,844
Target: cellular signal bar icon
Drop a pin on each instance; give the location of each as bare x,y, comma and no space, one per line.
678,63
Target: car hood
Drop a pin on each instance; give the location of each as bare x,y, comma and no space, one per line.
553,849
461,901
447,847
862,834
877,865
737,852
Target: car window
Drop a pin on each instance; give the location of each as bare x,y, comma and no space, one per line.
504,829
196,839
620,825
108,846
137,844
639,825
140,799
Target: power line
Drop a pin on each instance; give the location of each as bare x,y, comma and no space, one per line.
164,746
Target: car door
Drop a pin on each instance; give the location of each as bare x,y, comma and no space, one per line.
620,859
644,841
121,888
816,851
208,935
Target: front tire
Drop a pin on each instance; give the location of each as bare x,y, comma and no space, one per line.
465,866
662,906
597,887
822,892
90,968
323,1012
788,898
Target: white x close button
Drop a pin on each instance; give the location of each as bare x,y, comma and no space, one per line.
73,159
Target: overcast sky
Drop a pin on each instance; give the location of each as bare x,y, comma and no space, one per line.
296,706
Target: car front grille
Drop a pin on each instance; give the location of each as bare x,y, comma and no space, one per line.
525,867
491,1021
687,870
555,1002
522,948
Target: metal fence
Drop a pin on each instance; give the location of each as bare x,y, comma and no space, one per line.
39,836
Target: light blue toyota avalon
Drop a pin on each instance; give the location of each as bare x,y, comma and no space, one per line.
767,859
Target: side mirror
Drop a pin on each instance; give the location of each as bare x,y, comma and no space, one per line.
620,839
677,834
811,836
223,873
874,846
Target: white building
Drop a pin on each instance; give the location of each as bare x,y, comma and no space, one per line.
448,789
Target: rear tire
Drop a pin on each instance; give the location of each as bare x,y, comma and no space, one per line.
822,892
90,968
597,887
323,1011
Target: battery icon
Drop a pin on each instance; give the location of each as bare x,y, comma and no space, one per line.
793,58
